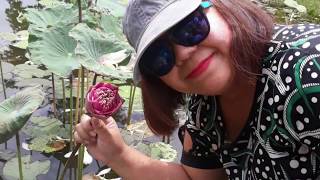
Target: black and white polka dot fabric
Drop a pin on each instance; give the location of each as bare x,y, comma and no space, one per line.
281,139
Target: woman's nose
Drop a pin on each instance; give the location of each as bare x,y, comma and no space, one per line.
183,53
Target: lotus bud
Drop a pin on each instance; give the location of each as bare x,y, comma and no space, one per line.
102,100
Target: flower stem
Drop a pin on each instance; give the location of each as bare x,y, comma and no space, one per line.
4,93
71,113
131,99
76,148
81,150
54,97
78,97
95,79
19,156
64,102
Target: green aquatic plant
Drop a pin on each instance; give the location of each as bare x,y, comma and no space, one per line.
17,109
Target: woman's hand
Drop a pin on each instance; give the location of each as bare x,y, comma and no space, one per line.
102,138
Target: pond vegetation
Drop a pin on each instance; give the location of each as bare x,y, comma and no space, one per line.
55,51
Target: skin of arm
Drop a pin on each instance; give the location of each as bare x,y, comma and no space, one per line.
104,142
132,165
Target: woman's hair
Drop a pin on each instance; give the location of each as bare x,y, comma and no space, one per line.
251,29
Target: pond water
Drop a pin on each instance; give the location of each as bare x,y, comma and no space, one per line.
9,11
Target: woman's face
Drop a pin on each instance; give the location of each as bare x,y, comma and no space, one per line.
205,68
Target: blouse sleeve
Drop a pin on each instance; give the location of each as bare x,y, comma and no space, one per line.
302,106
204,151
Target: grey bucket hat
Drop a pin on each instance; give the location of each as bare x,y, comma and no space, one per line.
146,20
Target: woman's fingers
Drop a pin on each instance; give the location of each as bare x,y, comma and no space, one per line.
87,125
77,138
84,129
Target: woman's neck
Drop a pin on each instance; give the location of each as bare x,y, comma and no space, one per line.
236,105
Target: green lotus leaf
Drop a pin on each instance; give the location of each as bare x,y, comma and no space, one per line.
47,144
51,3
56,51
3,49
59,90
5,40
7,68
4,36
112,24
92,46
6,154
26,71
294,4
40,126
116,7
16,110
124,92
55,16
159,150
45,83
43,131
43,19
30,169
163,151
21,40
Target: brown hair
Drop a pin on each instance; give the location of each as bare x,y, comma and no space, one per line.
251,29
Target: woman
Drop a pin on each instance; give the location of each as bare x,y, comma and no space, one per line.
253,93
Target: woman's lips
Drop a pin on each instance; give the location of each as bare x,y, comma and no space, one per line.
200,68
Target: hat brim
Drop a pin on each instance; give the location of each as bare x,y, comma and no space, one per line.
164,20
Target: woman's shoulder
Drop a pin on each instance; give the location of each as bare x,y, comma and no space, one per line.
293,68
294,32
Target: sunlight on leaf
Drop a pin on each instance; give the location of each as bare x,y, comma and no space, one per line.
16,110
30,169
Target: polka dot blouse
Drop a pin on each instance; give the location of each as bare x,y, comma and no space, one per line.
281,139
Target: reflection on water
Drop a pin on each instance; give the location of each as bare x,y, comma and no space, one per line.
9,10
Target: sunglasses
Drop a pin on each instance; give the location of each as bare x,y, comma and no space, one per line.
159,58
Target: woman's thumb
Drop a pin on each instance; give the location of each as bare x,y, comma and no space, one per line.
100,125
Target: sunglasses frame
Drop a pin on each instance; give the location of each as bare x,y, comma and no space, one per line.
167,39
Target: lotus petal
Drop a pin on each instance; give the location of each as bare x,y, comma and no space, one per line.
15,111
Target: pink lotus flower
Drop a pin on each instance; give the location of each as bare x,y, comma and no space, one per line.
103,100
